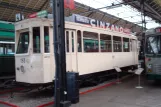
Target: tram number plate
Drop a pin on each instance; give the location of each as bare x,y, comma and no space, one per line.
22,60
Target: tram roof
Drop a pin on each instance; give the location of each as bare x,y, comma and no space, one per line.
8,9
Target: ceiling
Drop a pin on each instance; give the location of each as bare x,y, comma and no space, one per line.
152,8
8,9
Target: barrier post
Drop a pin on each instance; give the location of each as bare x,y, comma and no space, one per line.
138,72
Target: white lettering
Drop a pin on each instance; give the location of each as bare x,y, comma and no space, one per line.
102,24
107,25
92,22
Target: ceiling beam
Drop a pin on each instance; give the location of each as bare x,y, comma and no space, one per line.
44,4
117,21
19,8
148,12
153,10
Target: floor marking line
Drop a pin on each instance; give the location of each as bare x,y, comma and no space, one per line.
91,90
9,104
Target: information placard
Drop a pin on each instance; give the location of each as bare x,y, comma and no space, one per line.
118,69
139,71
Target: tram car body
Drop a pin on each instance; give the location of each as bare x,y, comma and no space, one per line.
7,49
89,49
153,53
7,60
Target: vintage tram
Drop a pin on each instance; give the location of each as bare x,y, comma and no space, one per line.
91,46
153,53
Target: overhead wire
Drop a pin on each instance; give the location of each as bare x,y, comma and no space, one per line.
126,9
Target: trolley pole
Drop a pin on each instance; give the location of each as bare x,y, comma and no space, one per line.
60,55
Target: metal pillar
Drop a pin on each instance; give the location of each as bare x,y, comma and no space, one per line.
60,55
142,5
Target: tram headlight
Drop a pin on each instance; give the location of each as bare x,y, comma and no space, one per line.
22,69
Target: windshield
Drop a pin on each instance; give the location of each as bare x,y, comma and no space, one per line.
23,43
153,45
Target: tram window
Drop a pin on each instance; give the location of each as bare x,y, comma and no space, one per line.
130,45
67,41
90,41
79,41
105,43
117,45
1,49
72,42
126,45
36,39
46,40
23,43
10,49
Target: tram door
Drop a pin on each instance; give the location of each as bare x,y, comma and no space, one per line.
71,50
134,51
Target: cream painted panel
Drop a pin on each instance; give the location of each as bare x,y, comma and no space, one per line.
122,59
68,62
47,68
94,62
33,69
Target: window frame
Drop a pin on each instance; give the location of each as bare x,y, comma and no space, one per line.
44,39
108,35
67,47
17,40
117,41
128,44
98,39
39,38
81,44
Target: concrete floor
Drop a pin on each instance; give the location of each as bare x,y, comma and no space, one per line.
123,95
117,95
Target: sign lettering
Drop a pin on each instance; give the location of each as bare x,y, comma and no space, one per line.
100,24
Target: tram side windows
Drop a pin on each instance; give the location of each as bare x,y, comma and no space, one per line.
1,49
130,45
79,41
23,43
46,40
105,43
126,47
90,41
117,44
10,49
72,42
36,39
67,41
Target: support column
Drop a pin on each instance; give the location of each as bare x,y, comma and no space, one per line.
60,54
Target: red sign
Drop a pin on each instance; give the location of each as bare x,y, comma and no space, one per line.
69,4
32,15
